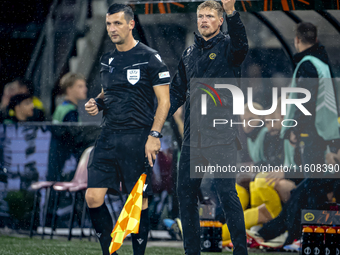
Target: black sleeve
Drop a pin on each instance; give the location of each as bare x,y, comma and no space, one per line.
307,78
238,46
158,71
178,89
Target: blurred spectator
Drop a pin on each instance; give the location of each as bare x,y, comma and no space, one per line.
20,86
66,140
10,90
73,86
26,87
22,107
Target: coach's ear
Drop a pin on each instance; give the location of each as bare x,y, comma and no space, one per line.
221,21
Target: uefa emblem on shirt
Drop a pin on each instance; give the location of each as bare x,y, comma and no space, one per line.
133,75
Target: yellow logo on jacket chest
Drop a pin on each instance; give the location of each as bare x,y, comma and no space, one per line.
212,56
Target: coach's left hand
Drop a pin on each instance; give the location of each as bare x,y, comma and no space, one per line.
228,6
152,147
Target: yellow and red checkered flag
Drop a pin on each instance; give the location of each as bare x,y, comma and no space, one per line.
129,218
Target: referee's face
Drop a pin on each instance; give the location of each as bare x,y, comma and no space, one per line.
118,28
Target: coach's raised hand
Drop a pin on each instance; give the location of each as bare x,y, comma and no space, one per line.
228,6
91,107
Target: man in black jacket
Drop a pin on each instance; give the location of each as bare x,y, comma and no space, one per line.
213,55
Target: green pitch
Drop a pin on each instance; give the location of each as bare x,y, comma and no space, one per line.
26,246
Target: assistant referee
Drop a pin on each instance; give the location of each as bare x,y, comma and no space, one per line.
132,76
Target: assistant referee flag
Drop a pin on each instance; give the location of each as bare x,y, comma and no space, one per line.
129,218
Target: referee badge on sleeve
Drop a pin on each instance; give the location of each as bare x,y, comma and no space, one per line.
133,75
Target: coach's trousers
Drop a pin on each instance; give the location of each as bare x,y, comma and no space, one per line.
187,189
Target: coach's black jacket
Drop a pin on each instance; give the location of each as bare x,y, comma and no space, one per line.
228,53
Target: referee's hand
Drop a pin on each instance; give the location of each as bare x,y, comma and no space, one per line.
152,147
91,107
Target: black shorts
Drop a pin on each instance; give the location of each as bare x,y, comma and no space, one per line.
118,160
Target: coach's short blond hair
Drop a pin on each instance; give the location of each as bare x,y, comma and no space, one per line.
211,4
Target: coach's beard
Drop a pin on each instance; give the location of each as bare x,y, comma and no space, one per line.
210,34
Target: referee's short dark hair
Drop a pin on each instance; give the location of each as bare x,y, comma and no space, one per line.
128,13
306,32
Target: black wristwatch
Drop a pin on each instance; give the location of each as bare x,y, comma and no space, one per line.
155,134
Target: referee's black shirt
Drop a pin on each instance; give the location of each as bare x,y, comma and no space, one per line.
128,79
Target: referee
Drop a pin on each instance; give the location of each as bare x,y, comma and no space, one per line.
132,76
